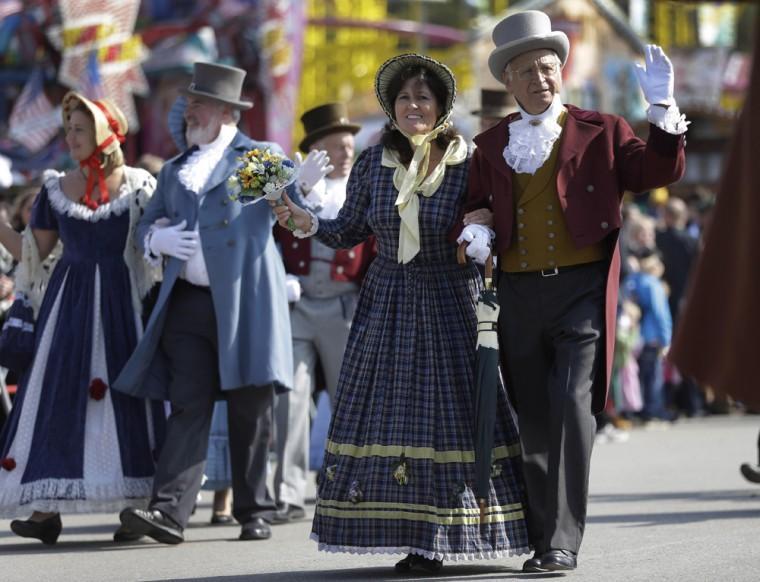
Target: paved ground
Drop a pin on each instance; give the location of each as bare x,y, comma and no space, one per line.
668,505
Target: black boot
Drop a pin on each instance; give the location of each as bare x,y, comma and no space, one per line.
419,564
47,531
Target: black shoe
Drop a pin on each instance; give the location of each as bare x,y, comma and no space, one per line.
556,560
123,534
256,529
288,513
152,523
47,531
533,564
751,473
418,564
221,519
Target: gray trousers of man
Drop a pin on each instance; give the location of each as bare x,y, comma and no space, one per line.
551,329
320,332
189,341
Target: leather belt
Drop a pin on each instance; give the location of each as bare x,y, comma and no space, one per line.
553,272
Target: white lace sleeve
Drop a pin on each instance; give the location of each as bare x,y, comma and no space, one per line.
298,233
669,119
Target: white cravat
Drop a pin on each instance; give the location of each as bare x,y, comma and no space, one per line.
532,137
194,174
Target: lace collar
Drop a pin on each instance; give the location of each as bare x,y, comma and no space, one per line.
197,169
65,205
532,137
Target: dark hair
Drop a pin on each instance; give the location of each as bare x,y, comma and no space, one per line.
392,138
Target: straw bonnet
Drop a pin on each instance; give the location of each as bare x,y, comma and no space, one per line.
218,82
324,120
522,32
110,123
394,66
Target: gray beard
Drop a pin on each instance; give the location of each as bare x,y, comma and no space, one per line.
201,135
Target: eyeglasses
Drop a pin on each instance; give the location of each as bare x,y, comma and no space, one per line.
541,68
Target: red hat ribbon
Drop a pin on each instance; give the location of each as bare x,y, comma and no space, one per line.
93,163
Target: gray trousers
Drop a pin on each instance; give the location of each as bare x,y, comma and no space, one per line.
320,332
190,343
551,329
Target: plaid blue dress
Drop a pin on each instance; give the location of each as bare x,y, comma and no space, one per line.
399,463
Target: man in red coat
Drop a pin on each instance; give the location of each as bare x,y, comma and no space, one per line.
553,177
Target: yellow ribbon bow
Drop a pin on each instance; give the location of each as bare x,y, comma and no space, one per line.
409,182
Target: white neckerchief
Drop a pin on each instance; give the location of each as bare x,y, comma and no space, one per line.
328,200
532,137
197,169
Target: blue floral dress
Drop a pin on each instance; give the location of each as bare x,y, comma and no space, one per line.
399,465
71,444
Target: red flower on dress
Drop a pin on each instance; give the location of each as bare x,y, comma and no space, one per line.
8,463
97,389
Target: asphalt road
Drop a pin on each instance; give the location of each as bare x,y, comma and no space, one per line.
667,505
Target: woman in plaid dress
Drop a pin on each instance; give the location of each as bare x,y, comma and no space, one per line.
399,464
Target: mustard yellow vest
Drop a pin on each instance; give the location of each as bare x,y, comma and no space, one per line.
541,238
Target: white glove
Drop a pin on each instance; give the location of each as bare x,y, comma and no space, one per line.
293,288
479,239
312,169
656,79
174,241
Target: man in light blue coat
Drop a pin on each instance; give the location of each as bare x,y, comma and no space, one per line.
220,327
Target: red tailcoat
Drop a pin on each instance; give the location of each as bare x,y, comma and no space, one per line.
599,159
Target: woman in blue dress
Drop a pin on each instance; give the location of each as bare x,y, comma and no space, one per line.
71,444
399,466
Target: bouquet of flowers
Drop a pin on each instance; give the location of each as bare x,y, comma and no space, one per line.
263,174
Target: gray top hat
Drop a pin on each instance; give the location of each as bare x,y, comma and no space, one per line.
218,82
395,65
522,32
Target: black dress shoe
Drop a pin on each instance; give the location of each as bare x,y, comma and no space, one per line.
534,564
751,473
287,513
47,531
152,523
221,519
123,534
256,529
414,563
557,560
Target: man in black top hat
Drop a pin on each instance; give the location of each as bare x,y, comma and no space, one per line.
495,105
323,285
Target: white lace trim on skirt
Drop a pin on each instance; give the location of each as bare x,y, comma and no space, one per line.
404,550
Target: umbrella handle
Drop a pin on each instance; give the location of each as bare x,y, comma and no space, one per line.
462,260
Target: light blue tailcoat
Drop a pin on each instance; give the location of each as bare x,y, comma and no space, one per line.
247,281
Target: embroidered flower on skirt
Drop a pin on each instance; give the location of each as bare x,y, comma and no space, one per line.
496,470
355,494
401,471
98,389
330,471
458,492
8,463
